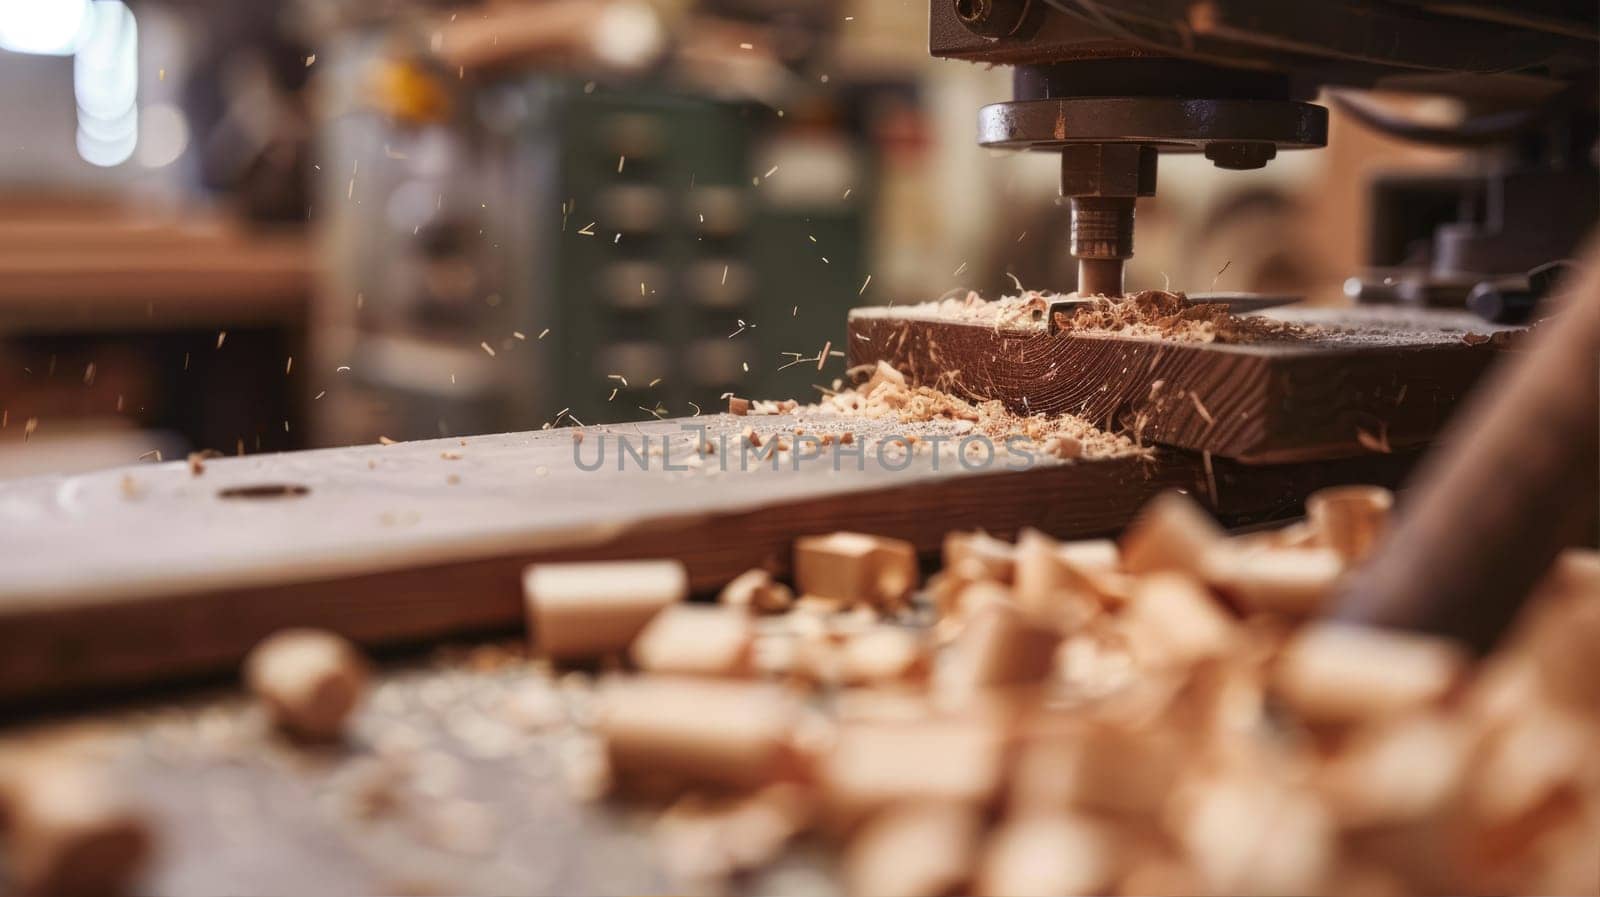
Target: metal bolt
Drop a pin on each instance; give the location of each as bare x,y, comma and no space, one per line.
1238,156
1102,238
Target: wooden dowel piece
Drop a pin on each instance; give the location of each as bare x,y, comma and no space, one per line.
309,680
1350,519
69,829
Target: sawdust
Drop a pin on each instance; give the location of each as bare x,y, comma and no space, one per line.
1025,311
885,393
1150,314
1157,314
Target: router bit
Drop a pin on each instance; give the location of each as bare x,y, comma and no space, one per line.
1102,181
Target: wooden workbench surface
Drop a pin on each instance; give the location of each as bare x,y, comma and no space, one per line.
85,266
124,577
440,787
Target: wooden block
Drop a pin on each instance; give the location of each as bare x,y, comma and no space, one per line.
1092,555
702,841
1349,519
1398,772
973,597
1173,621
871,766
917,850
1043,856
1049,574
588,610
1563,636
1291,581
978,555
1538,756
834,655
1223,700
1172,533
69,828
855,567
698,731
1339,673
696,640
882,655
1253,836
758,592
944,589
1502,688
1097,767
1390,380
309,680
999,646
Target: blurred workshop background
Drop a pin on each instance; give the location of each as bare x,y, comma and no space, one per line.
276,224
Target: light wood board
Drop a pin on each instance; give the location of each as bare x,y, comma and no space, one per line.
124,577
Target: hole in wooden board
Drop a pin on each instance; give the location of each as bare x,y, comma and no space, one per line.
265,490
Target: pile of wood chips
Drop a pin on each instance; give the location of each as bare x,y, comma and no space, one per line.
1158,314
884,393
1162,715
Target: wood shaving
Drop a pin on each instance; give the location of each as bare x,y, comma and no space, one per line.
885,394
1173,317
1157,314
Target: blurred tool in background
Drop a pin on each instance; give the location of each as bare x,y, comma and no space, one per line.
578,211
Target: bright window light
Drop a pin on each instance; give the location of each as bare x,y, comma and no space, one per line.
105,80
105,72
46,27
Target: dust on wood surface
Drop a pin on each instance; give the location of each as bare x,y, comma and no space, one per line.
1289,384
1173,317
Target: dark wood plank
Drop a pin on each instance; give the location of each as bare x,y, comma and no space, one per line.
1391,381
